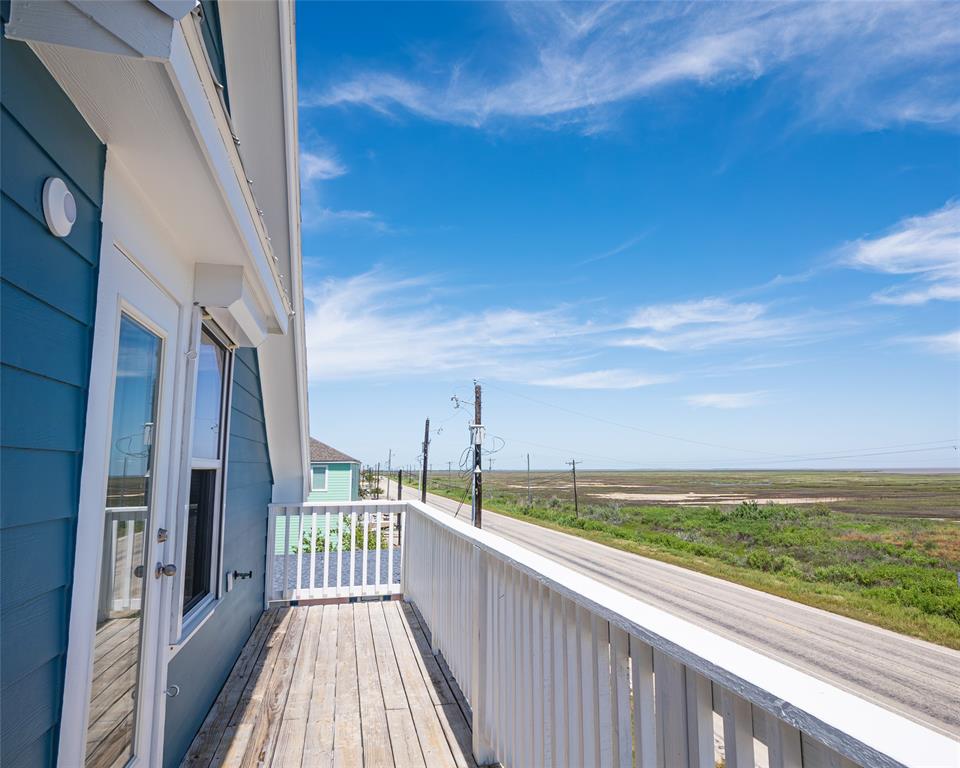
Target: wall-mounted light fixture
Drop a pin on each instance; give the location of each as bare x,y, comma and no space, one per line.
59,207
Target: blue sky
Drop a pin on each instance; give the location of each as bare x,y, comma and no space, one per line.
660,235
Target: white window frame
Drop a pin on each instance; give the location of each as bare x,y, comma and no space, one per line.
185,625
326,475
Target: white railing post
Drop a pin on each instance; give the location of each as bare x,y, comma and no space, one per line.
403,539
482,752
286,552
268,592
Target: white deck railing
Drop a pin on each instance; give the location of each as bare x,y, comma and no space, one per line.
322,550
561,670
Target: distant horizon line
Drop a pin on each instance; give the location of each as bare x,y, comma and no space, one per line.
891,470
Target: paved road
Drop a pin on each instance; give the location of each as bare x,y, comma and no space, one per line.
917,679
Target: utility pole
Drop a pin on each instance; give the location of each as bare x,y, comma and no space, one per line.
490,464
576,503
529,495
477,429
448,468
400,484
423,471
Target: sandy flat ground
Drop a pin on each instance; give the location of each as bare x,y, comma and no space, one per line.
698,499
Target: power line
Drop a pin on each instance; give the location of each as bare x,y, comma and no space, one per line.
561,451
603,420
782,456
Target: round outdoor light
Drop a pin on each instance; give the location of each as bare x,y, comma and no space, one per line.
59,207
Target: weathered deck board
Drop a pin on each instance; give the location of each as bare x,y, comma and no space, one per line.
327,686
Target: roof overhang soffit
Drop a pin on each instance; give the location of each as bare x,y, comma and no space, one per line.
140,28
128,106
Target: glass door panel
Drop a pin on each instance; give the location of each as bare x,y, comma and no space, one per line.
124,573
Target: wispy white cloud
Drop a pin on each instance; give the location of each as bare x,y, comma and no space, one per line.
615,378
939,344
626,245
375,325
316,166
924,248
873,64
728,400
322,165
711,310
711,322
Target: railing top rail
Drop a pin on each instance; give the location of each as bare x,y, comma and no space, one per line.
358,503
854,727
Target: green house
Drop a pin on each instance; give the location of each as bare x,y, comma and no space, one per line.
334,476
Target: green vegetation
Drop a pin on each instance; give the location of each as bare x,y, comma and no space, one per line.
896,571
318,542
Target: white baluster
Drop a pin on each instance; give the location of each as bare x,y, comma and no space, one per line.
379,530
313,551
619,698
365,563
391,532
737,730
326,551
699,720
353,549
299,551
671,709
783,744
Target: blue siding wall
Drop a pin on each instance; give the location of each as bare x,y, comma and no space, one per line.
202,667
48,291
213,41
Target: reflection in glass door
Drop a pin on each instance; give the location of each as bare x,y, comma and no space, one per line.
124,573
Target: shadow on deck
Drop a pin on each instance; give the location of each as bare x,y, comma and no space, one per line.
345,685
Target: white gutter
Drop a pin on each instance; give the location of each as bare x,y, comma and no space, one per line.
288,62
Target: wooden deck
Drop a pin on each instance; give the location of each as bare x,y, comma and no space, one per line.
336,685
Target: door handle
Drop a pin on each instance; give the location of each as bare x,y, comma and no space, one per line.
165,570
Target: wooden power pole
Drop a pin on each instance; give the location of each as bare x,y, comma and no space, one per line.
477,430
576,503
423,470
400,484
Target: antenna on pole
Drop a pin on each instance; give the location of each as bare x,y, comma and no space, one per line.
476,434
573,468
423,470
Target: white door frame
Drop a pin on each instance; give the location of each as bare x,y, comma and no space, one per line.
124,286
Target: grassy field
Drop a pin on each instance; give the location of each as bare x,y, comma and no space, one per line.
879,547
